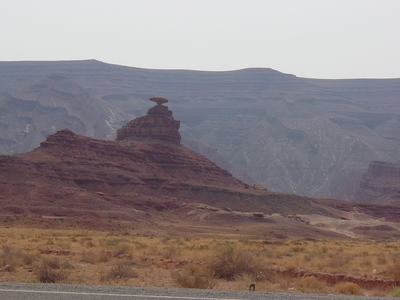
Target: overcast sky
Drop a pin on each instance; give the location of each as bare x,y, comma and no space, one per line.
309,38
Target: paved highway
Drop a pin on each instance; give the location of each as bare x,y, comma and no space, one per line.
13,291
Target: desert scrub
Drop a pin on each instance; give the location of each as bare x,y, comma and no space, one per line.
10,258
348,288
121,249
395,292
393,270
52,270
122,270
230,262
88,256
193,276
311,284
169,252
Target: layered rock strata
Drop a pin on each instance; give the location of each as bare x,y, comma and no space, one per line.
158,125
380,184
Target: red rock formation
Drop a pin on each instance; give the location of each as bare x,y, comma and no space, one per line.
71,170
158,124
380,184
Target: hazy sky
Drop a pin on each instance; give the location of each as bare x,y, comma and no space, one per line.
317,39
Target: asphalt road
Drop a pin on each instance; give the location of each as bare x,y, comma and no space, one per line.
15,291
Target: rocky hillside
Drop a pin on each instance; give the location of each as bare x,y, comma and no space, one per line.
73,175
147,177
380,184
289,134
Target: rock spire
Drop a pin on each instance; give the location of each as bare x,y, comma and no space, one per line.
158,124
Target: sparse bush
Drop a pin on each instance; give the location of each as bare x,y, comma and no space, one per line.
169,252
53,262
297,249
348,288
395,292
111,242
139,245
393,270
103,256
52,270
381,260
85,241
122,270
88,257
308,257
230,262
10,258
366,262
311,284
90,244
28,258
193,276
338,260
122,249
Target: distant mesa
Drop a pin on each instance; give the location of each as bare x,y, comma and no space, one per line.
157,125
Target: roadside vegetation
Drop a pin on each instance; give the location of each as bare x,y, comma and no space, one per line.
130,258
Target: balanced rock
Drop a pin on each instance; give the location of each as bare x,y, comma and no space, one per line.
159,100
157,125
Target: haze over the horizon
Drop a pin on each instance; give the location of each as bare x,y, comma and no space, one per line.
307,38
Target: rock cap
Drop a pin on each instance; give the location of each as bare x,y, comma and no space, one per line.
158,100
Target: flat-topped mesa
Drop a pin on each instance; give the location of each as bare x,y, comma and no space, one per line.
157,125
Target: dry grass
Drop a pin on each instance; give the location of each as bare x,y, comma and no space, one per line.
121,270
348,288
230,262
194,276
129,258
52,270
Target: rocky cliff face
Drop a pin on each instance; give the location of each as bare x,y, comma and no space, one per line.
29,114
380,184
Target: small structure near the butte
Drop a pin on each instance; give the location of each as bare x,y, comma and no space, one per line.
157,125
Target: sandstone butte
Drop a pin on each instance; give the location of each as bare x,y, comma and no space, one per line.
157,125
69,174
